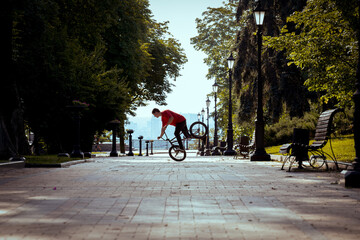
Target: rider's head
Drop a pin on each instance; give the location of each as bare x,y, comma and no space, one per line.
156,112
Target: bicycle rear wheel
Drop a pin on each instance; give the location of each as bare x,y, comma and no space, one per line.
198,130
176,154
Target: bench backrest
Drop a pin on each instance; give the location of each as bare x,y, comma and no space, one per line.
252,142
244,140
323,126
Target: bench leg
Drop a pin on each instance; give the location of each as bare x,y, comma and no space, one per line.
291,163
284,162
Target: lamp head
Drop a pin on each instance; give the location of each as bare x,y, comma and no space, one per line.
259,14
215,87
230,61
208,102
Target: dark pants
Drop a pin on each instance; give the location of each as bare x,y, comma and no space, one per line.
183,128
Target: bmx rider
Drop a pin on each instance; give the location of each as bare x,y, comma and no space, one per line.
171,118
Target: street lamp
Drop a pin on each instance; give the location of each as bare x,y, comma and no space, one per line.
352,178
260,153
202,142
208,151
229,150
216,150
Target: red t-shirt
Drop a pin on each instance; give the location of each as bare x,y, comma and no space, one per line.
165,115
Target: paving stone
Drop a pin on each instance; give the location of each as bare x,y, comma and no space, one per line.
157,198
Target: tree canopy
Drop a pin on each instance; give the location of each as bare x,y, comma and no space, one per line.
324,47
110,54
216,32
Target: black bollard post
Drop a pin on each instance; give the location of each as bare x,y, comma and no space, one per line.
140,148
114,124
151,152
130,131
147,147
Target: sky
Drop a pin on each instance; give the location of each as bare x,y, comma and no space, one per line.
190,91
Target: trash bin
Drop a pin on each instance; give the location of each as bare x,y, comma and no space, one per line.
300,140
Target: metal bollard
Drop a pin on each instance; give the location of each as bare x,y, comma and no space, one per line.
140,148
130,131
114,124
151,141
147,147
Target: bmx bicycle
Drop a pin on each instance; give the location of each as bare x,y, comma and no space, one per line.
197,130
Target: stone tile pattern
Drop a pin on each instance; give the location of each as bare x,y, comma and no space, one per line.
157,198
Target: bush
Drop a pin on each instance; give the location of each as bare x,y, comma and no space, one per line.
282,132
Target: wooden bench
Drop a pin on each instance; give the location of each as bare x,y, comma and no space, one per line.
222,146
244,148
323,133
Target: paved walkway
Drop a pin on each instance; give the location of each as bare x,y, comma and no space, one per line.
157,198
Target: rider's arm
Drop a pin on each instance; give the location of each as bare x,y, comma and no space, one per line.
171,118
169,122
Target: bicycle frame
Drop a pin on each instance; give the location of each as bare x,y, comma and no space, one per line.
172,141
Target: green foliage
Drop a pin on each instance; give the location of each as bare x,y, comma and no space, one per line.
109,54
324,46
216,33
145,51
282,131
283,89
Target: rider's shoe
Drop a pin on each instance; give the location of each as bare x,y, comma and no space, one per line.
177,151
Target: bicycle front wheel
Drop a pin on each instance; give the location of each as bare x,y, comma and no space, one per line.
176,154
198,130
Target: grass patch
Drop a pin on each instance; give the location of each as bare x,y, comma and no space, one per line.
48,159
343,147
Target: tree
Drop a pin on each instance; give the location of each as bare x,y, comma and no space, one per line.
283,84
229,28
324,47
216,32
106,53
145,51
12,134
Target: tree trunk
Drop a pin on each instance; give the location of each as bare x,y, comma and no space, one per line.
12,132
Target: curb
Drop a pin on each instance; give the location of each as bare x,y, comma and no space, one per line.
57,165
14,164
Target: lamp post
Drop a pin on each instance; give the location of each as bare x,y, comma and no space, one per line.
208,151
260,153
229,150
202,142
352,178
216,150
